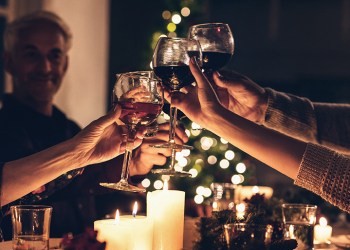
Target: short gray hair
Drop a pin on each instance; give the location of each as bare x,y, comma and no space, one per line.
13,28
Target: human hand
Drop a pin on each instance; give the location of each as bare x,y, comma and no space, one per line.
103,139
241,95
145,156
199,103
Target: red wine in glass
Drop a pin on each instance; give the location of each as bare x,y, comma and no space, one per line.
142,113
174,77
213,60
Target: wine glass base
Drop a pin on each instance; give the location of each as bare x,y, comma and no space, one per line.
172,146
171,172
123,187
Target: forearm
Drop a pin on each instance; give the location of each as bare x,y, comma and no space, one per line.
281,152
321,123
27,174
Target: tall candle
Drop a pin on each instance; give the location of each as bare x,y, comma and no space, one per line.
166,208
128,233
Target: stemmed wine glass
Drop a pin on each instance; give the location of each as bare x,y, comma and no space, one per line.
139,96
216,41
170,62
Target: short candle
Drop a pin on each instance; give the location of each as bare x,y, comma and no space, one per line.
129,232
323,232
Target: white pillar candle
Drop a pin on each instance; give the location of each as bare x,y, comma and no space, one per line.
323,232
166,208
129,233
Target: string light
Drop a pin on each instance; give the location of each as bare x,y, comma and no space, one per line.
241,168
146,183
185,11
176,18
193,172
229,155
158,184
198,199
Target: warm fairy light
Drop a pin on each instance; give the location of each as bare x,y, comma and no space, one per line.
237,179
134,210
212,159
195,126
198,199
146,183
193,172
166,14
207,192
224,164
171,27
241,168
255,190
185,11
166,185
200,190
229,155
172,34
117,217
323,221
186,152
158,184
182,162
195,132
177,167
223,141
176,18
240,207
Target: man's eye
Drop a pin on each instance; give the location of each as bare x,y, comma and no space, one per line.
31,55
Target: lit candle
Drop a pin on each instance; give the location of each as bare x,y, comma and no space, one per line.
323,232
129,232
166,208
240,211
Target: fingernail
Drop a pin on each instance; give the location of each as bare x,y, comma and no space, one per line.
194,60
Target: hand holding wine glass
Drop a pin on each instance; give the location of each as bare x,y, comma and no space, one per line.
216,41
171,64
139,96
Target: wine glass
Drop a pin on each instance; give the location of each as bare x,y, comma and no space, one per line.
170,62
139,96
216,41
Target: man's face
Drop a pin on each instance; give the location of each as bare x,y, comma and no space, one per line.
38,63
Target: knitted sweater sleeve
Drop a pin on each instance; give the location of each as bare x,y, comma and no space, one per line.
321,123
326,173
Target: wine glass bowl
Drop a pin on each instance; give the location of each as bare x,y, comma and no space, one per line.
216,41
170,62
141,102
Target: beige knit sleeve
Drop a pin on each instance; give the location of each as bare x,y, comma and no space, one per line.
326,173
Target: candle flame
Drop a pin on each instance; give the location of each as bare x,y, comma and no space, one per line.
165,186
117,217
255,190
323,221
134,211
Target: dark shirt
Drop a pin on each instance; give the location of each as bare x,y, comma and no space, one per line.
23,132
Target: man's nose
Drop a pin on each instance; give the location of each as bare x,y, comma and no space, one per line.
45,64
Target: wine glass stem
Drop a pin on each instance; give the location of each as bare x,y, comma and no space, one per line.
173,121
128,152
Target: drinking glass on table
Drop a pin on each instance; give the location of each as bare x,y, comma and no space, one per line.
141,101
170,62
31,227
299,221
216,41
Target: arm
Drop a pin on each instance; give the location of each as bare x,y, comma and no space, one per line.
295,116
100,141
285,154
